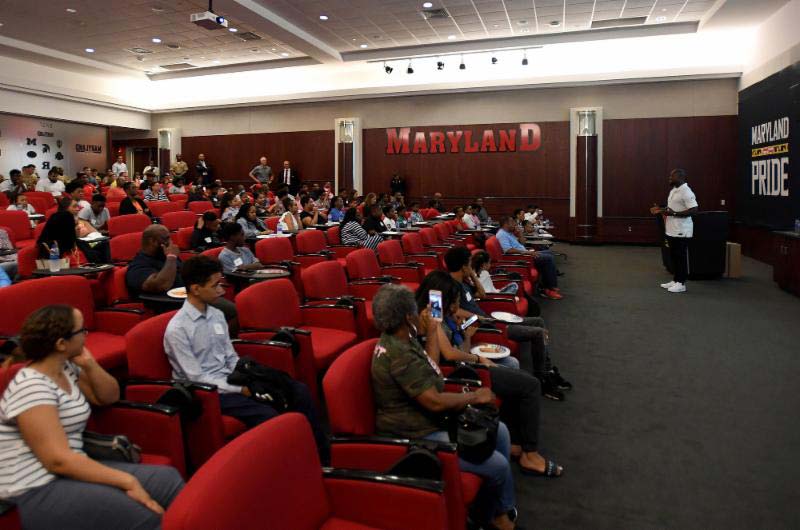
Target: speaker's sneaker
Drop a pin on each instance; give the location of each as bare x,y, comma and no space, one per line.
667,285
677,288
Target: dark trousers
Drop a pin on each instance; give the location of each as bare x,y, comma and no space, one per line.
545,263
252,412
679,256
520,393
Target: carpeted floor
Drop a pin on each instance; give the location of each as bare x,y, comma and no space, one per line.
686,408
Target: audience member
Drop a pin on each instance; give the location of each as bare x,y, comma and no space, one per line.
152,168
74,190
229,206
410,397
336,213
481,264
177,186
116,193
402,220
132,204
389,218
97,213
119,166
416,216
310,215
205,174
373,220
51,184
179,168
14,186
262,173
21,204
60,230
544,261
352,233
44,411
8,263
253,226
155,192
480,211
199,349
261,202
289,221
206,232
236,255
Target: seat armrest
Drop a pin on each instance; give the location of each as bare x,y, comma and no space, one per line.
374,279
462,382
117,321
278,355
436,486
329,316
433,445
423,254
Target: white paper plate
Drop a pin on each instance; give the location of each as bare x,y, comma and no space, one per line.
177,292
510,318
501,352
270,236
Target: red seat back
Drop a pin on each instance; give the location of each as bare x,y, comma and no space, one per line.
176,197
124,247
144,344
183,238
125,224
362,263
228,491
180,219
390,252
4,201
45,196
412,243
18,222
333,235
272,223
429,237
213,252
159,208
26,297
38,230
325,279
254,313
40,204
310,241
113,208
494,249
200,206
26,261
441,230
117,289
274,250
348,390
8,374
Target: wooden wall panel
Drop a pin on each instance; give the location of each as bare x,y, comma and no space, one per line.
638,155
233,156
508,180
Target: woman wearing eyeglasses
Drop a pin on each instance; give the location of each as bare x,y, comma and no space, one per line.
43,413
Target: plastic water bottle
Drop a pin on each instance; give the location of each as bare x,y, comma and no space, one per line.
280,228
797,226
55,258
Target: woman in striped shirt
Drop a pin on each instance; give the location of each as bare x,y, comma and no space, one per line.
43,413
352,233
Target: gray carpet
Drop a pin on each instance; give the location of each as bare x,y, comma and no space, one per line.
685,409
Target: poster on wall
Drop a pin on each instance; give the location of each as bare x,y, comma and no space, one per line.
48,143
769,161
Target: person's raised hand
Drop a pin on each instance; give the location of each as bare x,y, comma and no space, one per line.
171,249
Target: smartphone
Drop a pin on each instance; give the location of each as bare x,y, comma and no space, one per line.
468,322
435,302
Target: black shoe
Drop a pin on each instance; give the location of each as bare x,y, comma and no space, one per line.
555,377
551,391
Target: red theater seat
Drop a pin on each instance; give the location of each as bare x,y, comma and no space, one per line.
126,224
159,208
414,249
270,478
177,197
363,265
312,247
177,220
522,265
199,207
18,227
124,247
107,327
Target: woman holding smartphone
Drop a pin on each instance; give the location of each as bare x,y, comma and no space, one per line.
518,389
409,397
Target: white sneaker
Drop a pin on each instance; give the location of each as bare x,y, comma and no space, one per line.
677,288
667,285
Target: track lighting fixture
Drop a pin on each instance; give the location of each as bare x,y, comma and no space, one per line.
462,66
494,60
440,65
524,58
388,68
409,70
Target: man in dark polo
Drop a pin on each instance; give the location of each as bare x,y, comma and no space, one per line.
156,269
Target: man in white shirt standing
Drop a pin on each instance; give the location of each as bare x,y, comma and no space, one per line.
51,184
119,166
681,204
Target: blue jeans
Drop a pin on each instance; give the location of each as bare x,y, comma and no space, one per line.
511,288
508,362
495,470
544,261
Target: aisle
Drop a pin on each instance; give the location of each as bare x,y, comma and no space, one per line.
685,408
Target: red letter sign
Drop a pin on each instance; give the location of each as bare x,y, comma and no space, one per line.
531,137
397,145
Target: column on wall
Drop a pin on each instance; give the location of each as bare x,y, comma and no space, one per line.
348,154
586,195
169,145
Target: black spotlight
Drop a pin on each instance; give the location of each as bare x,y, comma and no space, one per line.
409,70
388,68
440,65
494,60
524,61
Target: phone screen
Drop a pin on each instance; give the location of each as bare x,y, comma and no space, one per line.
468,322
435,301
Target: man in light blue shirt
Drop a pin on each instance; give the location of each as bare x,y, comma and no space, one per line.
544,261
199,349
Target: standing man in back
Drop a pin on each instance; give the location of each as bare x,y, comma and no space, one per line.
179,168
681,204
205,175
262,173
290,177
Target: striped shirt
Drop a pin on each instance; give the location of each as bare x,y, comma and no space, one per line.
354,234
20,470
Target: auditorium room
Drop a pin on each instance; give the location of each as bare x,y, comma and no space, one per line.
399,264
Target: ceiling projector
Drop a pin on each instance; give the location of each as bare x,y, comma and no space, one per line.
208,20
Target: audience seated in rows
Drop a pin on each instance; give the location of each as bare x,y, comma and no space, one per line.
97,214
236,255
509,239
206,232
132,203
352,233
247,218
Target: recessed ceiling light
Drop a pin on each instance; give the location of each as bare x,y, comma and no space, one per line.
216,61
274,49
661,19
555,23
323,17
663,9
427,5
71,10
156,40
364,45
495,25
354,39
451,37
89,50
284,54
233,30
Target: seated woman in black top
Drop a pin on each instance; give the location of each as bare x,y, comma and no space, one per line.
132,203
372,220
60,231
206,232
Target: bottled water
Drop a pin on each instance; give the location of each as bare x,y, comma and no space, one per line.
55,258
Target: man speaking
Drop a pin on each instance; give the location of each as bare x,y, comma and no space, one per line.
681,204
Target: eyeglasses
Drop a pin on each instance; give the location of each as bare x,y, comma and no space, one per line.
78,332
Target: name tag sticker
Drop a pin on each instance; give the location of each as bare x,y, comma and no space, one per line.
469,297
208,240
238,261
218,329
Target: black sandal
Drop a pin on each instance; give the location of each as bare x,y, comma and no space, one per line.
550,470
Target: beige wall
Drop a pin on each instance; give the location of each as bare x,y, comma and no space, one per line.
776,46
642,100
